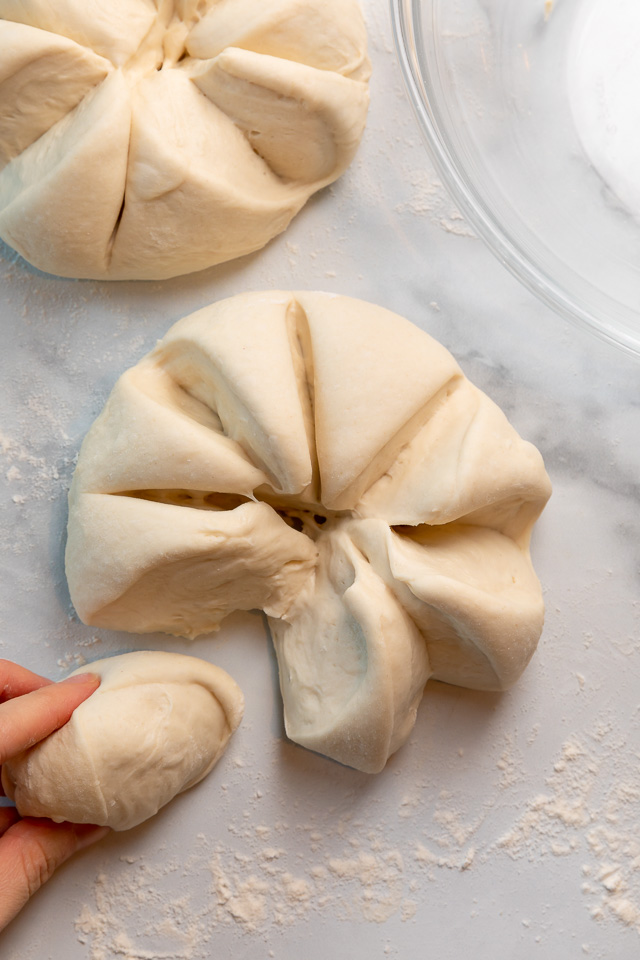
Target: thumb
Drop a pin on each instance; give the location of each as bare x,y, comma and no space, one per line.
30,851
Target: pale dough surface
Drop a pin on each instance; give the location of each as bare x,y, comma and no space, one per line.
156,726
324,460
143,139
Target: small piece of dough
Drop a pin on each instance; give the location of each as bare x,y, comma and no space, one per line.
326,461
156,726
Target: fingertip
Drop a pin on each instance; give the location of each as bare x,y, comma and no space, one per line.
28,719
88,678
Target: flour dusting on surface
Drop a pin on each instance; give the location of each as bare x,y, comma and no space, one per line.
367,870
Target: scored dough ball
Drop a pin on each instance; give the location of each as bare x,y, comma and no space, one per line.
142,140
156,726
323,460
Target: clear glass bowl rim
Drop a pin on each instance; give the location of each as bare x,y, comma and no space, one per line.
475,211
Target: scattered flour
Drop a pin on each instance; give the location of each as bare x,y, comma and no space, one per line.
369,870
72,660
429,198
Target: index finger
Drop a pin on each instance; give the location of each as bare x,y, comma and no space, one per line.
16,680
27,719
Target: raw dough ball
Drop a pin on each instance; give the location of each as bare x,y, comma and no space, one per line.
323,460
156,726
142,139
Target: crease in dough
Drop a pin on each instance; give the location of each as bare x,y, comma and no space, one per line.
29,56
61,175
352,664
299,119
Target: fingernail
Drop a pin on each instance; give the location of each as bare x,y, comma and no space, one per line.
88,834
81,678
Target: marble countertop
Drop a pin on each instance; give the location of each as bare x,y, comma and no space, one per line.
509,825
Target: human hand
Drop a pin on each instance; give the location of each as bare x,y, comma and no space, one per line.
32,707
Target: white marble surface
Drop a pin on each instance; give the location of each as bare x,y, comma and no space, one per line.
509,826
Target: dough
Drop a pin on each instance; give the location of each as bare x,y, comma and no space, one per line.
324,460
156,726
142,139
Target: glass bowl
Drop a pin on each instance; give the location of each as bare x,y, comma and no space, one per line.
532,125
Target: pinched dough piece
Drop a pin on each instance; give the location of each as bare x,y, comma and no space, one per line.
47,75
376,379
329,36
156,726
447,470
169,424
113,30
324,460
353,665
195,193
249,380
230,115
471,592
62,179
299,119
154,565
